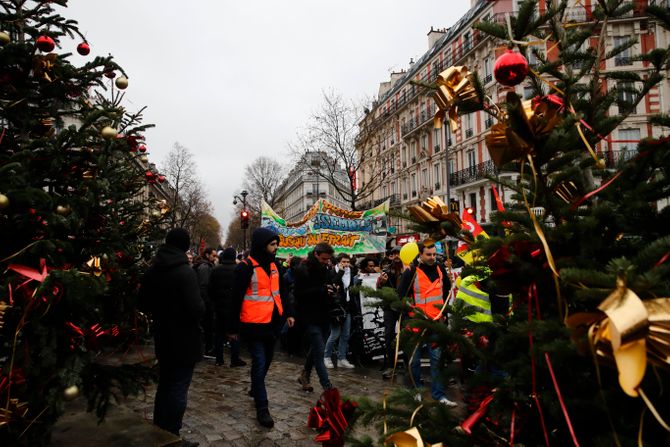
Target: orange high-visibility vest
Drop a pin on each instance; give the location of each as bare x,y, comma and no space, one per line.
428,294
262,295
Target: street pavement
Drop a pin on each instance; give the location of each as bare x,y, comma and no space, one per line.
220,413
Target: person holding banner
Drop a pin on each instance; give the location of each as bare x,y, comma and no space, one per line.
428,285
257,312
340,328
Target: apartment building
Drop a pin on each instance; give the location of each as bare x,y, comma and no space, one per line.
303,187
420,161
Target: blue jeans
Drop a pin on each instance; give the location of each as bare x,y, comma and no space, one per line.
436,385
341,331
171,395
261,353
315,335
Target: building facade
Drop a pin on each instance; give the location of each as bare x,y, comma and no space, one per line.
421,161
303,187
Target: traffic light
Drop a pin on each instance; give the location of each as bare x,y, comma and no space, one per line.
244,219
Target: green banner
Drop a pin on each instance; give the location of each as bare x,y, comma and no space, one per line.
353,232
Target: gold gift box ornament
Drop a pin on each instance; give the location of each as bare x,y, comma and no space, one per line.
518,133
454,89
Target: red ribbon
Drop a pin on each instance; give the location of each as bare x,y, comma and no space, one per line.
560,399
471,420
329,416
532,293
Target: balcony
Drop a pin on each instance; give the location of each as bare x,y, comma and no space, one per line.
437,148
613,158
404,196
468,133
413,193
473,173
488,78
437,186
488,122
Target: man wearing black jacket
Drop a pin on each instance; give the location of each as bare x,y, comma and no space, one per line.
315,291
258,311
170,293
427,283
220,291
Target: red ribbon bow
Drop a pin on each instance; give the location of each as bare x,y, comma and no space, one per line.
330,416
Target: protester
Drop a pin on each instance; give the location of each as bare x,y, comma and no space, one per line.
221,294
428,285
390,277
291,337
203,267
257,313
169,293
315,292
340,330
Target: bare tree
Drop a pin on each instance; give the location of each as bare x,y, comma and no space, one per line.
189,202
262,179
207,228
331,136
235,234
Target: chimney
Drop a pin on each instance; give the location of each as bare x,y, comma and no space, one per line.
434,35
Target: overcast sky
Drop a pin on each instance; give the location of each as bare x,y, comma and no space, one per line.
234,80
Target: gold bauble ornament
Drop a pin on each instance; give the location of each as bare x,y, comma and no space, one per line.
71,392
4,38
63,210
121,82
144,158
4,201
600,164
108,132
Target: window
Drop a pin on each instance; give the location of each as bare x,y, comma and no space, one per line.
450,167
437,176
412,151
473,204
488,69
413,184
467,42
467,124
436,139
447,133
425,181
626,96
403,155
622,58
424,142
471,158
628,139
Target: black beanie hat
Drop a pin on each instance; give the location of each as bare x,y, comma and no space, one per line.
228,254
178,238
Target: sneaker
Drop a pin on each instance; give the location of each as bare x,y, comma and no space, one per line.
448,403
387,373
238,362
264,418
328,362
417,397
304,381
344,363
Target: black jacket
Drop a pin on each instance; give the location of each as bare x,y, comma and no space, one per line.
242,278
204,269
312,300
406,289
220,289
170,293
353,306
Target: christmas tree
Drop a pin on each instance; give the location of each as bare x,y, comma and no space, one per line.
73,223
580,261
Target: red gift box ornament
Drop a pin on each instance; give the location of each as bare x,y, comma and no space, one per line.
330,416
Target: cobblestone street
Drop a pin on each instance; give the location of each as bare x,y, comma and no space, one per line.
220,413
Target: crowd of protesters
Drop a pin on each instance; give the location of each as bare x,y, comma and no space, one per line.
222,298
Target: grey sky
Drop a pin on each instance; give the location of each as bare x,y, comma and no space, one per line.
236,80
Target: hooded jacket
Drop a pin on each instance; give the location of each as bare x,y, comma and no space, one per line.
312,300
260,238
170,293
221,286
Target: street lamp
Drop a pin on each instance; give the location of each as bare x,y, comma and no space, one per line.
244,216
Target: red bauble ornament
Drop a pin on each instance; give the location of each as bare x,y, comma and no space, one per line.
109,72
161,178
83,49
45,43
149,175
511,68
142,148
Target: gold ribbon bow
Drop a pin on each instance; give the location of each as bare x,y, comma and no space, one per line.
454,88
434,212
630,331
515,135
94,265
43,65
409,438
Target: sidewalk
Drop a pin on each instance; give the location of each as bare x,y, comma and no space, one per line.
220,413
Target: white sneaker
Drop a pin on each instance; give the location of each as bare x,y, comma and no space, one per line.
448,403
417,397
328,362
344,363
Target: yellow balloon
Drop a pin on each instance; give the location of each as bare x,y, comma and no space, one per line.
408,252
